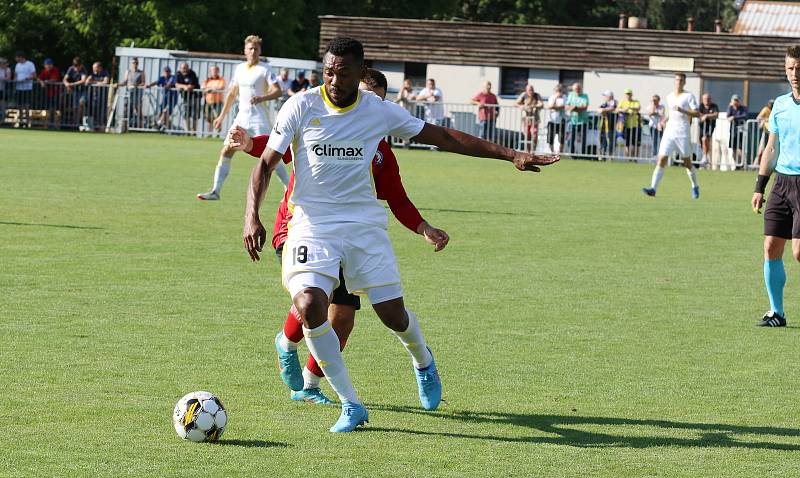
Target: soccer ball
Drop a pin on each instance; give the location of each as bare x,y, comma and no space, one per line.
199,416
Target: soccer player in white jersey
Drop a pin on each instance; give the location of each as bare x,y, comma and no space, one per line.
682,106
782,216
334,131
255,85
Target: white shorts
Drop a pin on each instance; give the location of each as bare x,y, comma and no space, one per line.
671,145
252,130
363,252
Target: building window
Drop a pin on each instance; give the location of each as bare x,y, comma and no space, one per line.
416,72
513,81
721,91
568,77
763,91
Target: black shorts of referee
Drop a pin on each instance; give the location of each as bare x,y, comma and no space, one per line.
340,294
782,214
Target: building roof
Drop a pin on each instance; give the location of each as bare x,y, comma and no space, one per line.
769,18
718,55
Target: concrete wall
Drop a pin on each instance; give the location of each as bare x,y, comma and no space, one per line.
644,85
394,71
460,83
543,81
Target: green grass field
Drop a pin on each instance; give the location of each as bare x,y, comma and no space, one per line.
580,327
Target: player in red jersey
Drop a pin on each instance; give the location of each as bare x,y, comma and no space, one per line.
343,307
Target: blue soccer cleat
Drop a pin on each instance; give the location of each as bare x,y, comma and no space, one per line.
649,191
429,384
289,364
353,415
311,395
696,192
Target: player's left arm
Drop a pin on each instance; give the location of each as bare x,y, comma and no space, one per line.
455,141
765,169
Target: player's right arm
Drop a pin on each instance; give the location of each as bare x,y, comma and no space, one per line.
764,172
229,99
254,235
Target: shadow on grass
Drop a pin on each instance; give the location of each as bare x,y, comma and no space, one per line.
251,443
565,430
471,211
62,226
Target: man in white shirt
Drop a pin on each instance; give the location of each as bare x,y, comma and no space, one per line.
432,97
255,85
24,73
682,107
285,83
334,131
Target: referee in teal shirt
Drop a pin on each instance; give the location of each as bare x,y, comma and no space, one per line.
782,215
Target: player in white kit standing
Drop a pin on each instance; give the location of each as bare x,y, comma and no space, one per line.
334,131
255,85
682,106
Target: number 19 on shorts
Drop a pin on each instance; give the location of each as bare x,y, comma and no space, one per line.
299,255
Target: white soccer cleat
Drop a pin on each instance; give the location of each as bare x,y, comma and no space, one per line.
209,196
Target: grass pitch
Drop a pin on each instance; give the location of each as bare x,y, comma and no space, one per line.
580,328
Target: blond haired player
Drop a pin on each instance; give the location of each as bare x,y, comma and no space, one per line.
255,85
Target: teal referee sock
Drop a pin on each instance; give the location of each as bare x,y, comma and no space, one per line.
775,279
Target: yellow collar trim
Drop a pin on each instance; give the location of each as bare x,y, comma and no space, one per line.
333,106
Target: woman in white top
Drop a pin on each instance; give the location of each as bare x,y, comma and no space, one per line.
656,118
556,117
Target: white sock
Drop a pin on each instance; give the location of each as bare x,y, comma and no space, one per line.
414,342
324,345
286,344
282,175
692,173
658,173
309,379
223,166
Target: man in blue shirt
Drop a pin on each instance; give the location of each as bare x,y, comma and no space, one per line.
168,94
782,215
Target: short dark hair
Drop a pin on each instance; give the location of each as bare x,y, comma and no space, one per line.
793,52
20,53
341,46
375,79
77,61
682,75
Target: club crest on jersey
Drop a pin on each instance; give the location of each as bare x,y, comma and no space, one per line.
378,157
314,122
336,152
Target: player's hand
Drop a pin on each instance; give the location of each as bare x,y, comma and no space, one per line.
255,236
438,237
757,202
530,162
218,123
255,100
239,140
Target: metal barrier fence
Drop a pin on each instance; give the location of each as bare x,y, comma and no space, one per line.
112,108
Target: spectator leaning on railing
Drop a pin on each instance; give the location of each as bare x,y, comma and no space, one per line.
709,112
169,96
134,81
299,84
577,105
656,120
433,98
632,130
24,72
49,79
405,95
74,81
530,102
737,115
608,123
556,120
214,87
763,129
487,111
97,82
187,83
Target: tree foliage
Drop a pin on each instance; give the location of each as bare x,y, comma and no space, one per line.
92,29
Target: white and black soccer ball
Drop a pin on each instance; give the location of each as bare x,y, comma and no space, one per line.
200,416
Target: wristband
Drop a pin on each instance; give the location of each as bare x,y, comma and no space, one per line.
761,183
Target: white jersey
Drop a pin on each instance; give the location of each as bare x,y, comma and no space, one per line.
333,150
679,123
253,81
